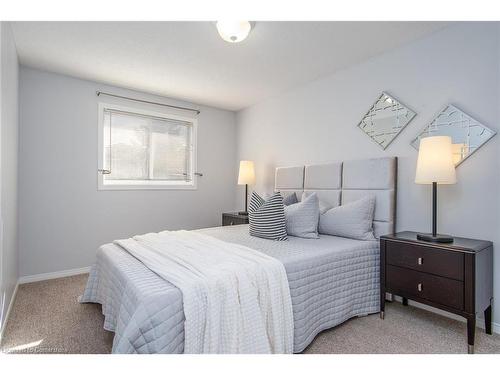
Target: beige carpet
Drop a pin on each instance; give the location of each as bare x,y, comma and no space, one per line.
46,318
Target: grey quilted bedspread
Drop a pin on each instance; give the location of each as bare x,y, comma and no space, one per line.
332,279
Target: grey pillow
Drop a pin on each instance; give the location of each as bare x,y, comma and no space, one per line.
352,220
290,199
323,206
302,218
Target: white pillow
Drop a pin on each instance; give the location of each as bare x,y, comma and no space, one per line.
302,217
352,220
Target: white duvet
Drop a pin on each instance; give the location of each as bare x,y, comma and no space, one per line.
236,299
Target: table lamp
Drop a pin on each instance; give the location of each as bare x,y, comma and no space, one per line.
435,166
246,177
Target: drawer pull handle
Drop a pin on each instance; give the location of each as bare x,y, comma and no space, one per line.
420,261
419,287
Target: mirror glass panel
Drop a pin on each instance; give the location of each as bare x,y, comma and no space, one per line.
467,134
385,120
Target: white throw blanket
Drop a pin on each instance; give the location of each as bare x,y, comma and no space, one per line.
236,299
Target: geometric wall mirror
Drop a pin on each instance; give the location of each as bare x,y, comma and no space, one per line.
467,135
385,120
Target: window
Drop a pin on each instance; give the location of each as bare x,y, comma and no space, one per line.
145,150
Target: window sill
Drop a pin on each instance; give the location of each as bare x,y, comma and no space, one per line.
137,186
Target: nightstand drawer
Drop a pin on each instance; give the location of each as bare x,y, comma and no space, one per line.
441,290
233,220
426,259
227,220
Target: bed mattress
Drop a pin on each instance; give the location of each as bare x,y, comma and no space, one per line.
331,279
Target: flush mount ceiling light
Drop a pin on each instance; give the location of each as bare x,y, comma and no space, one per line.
233,31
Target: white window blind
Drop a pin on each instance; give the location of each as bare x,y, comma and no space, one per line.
141,149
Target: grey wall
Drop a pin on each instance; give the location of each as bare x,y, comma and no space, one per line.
317,123
8,167
63,218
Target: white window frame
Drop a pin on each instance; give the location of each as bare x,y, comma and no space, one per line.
144,184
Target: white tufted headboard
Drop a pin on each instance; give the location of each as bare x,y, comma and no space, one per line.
343,182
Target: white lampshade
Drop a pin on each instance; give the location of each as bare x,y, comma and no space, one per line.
247,173
435,161
233,31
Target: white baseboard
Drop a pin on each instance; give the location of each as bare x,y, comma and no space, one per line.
53,275
11,303
479,321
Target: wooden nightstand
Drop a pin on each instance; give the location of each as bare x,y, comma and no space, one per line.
456,277
233,218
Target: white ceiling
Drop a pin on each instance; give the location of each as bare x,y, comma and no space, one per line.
188,60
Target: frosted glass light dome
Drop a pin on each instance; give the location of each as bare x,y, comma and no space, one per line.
233,31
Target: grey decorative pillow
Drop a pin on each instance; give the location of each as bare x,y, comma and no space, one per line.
323,206
302,218
267,217
290,199
352,220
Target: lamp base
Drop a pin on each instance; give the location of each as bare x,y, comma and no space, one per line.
243,213
438,238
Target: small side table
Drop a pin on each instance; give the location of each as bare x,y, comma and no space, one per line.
456,277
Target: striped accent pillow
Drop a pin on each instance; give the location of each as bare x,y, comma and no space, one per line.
267,218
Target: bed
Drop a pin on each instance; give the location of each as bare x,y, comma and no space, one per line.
331,279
